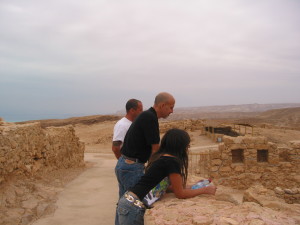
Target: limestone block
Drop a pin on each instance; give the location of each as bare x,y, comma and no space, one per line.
238,140
249,139
271,169
228,221
262,146
252,169
236,146
279,191
251,161
214,154
295,144
228,140
230,195
296,178
225,169
256,221
213,174
238,167
214,168
261,169
225,156
291,191
216,162
221,147
202,220
285,165
31,203
13,216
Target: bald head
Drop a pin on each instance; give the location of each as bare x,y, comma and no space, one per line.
164,104
163,97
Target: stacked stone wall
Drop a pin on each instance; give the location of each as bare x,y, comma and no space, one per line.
238,164
26,149
188,125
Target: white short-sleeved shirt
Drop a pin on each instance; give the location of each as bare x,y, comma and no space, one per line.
121,128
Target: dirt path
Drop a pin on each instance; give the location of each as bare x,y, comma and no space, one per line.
91,198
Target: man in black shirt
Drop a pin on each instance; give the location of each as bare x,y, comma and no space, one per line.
141,141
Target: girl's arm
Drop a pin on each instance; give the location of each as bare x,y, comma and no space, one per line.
180,192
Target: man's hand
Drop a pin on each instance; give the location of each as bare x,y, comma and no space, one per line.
116,148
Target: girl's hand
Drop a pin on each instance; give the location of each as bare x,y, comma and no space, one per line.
211,190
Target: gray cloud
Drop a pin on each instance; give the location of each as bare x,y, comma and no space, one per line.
90,57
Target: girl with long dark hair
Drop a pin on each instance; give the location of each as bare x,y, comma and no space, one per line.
170,164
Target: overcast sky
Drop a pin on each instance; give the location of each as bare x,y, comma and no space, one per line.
74,57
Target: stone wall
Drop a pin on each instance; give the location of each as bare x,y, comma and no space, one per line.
26,149
243,161
188,125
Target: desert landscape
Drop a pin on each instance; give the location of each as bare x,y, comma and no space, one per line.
26,198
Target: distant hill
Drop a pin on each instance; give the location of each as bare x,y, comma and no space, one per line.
276,114
74,120
236,108
282,117
226,111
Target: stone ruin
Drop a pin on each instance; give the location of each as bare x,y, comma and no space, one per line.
28,148
243,161
27,153
187,125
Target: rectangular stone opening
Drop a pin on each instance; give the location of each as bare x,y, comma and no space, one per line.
237,156
262,155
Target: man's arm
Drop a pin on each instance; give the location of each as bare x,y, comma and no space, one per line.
116,148
155,148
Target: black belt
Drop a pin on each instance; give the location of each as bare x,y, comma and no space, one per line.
132,159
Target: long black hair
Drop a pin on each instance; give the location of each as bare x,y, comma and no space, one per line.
175,142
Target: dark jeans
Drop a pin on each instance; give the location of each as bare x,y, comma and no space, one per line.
129,214
128,175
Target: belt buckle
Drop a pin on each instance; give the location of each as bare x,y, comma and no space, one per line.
129,197
136,202
139,204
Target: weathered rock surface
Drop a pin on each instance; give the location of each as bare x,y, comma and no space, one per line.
34,163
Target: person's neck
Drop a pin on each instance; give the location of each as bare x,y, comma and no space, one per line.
168,155
157,111
129,117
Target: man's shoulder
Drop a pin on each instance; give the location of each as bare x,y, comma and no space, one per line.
123,122
150,112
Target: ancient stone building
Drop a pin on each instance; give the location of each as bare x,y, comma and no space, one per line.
240,162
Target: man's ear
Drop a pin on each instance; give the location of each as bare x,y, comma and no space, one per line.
159,106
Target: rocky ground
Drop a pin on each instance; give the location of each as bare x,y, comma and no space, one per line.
255,206
24,199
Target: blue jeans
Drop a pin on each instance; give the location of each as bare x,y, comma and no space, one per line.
129,214
128,175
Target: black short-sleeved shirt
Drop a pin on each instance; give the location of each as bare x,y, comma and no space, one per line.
143,132
160,169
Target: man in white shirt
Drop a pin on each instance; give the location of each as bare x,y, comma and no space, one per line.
133,108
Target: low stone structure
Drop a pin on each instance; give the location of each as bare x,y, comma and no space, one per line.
25,149
188,125
243,161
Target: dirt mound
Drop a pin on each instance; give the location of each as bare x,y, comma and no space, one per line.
87,120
